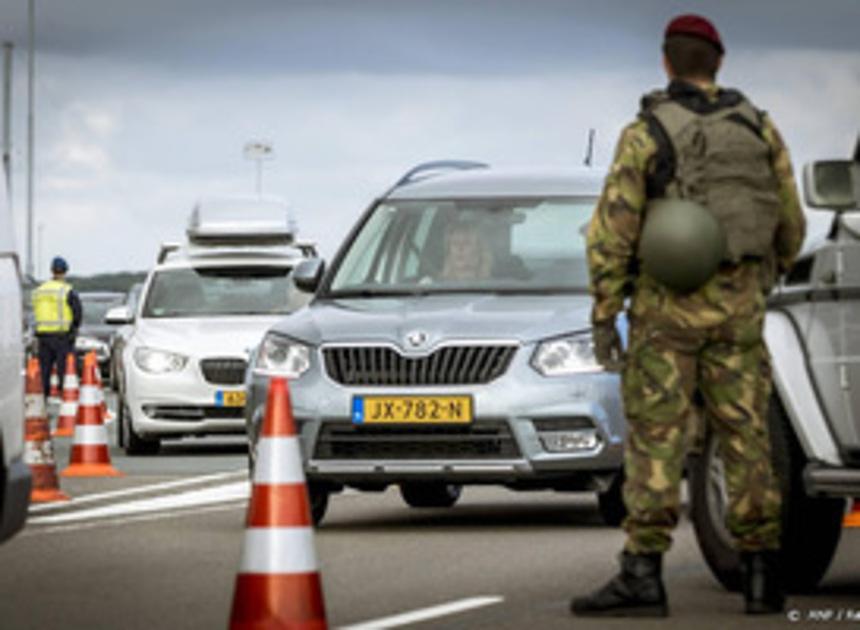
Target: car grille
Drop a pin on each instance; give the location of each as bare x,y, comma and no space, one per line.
224,371
450,365
485,440
191,413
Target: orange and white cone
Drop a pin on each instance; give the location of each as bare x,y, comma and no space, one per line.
38,448
278,585
852,519
90,456
106,414
69,405
54,394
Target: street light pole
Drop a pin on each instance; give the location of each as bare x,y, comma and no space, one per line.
31,133
259,151
7,118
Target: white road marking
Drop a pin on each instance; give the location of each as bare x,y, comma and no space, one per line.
167,485
423,614
57,529
207,496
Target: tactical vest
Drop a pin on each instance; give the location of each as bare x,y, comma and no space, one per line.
718,157
51,308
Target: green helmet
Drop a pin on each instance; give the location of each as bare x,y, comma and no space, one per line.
682,244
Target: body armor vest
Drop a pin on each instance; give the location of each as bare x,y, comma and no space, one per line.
715,154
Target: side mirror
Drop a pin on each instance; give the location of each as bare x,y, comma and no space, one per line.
308,274
832,185
119,315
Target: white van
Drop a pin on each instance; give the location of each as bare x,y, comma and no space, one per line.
14,473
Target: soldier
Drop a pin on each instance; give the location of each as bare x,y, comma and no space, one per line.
720,158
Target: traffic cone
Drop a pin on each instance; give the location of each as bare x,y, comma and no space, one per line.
90,456
278,585
852,519
38,448
54,393
106,414
69,406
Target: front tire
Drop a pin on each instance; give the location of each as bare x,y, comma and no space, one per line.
610,502
430,494
811,526
133,443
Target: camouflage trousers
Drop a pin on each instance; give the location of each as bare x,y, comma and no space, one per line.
727,369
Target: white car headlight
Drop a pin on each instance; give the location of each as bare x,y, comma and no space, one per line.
158,361
566,355
282,356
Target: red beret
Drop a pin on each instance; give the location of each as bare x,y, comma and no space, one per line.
695,26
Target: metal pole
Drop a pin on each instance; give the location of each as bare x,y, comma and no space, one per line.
259,178
40,248
7,117
31,132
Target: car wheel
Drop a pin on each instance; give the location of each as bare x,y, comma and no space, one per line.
610,502
811,526
318,496
134,444
430,494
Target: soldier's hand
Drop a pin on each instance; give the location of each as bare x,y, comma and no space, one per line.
607,345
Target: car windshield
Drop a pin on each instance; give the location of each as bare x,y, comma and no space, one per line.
494,245
221,291
94,309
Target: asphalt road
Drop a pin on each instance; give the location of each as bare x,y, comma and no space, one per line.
159,548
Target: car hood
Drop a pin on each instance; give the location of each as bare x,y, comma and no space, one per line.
524,318
210,336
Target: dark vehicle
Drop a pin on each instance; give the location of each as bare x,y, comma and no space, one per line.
94,333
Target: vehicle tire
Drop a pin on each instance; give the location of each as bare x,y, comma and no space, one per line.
430,494
318,496
120,421
811,526
134,444
610,502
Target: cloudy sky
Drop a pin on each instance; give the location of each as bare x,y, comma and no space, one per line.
144,107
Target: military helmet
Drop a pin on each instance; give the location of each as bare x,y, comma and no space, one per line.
681,245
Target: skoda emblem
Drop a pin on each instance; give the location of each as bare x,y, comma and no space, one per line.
416,339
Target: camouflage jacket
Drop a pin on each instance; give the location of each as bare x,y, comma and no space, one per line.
613,237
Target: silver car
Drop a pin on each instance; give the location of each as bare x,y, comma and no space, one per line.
449,343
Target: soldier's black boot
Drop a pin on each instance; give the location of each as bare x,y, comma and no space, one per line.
637,591
762,583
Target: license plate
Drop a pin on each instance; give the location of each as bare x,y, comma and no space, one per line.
230,398
412,409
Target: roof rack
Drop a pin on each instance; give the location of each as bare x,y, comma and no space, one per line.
428,169
240,221
166,249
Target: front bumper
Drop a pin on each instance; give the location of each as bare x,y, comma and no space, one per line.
508,436
831,481
16,499
180,403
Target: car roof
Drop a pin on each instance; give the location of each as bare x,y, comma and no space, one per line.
504,182
100,296
231,259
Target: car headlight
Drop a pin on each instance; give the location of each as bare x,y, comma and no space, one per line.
158,361
566,355
282,356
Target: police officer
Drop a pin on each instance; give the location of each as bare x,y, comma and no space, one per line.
57,311
695,148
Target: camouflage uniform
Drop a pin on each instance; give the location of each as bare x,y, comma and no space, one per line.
708,341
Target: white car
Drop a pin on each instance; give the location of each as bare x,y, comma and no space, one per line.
14,473
202,308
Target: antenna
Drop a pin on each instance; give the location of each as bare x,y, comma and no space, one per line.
589,151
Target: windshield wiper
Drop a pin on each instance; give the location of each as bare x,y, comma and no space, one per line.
368,293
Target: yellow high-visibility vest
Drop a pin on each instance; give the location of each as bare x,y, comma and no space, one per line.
51,308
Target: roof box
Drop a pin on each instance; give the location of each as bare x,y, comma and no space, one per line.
240,221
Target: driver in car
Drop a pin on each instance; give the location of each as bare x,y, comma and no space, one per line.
467,255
